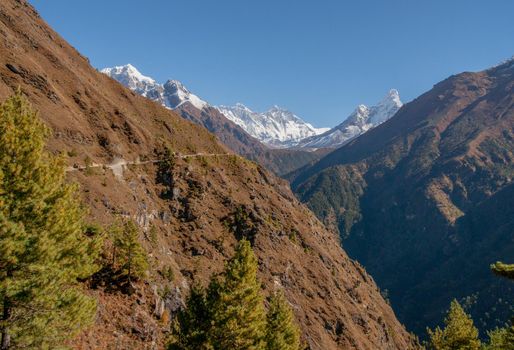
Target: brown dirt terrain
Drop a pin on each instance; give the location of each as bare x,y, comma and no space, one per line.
185,215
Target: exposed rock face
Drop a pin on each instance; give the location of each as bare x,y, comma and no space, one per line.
182,212
405,194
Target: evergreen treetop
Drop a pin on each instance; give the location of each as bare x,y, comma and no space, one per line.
504,270
459,332
236,303
502,338
131,254
229,314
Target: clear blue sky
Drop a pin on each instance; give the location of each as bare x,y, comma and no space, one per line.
317,58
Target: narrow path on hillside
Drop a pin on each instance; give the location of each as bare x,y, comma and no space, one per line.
118,164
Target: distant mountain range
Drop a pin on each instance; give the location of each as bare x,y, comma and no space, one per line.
277,127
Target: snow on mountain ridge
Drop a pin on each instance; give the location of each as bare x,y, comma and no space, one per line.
276,127
128,71
178,94
386,108
129,76
171,94
362,119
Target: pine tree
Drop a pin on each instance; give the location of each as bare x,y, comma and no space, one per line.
230,314
459,332
282,333
131,254
191,328
504,270
238,316
43,248
500,339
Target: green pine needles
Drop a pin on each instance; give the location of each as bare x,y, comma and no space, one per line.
128,255
503,270
230,314
43,248
459,332
238,315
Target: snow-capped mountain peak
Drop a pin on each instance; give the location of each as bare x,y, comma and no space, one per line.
280,113
129,76
129,72
386,108
177,94
239,105
277,126
358,122
359,115
171,94
130,69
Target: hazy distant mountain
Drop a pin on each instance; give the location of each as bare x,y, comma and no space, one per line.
361,120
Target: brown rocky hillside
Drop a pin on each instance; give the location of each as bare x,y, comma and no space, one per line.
410,198
186,215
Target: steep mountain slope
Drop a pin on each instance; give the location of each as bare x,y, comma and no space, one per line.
402,193
361,120
183,213
174,95
276,127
